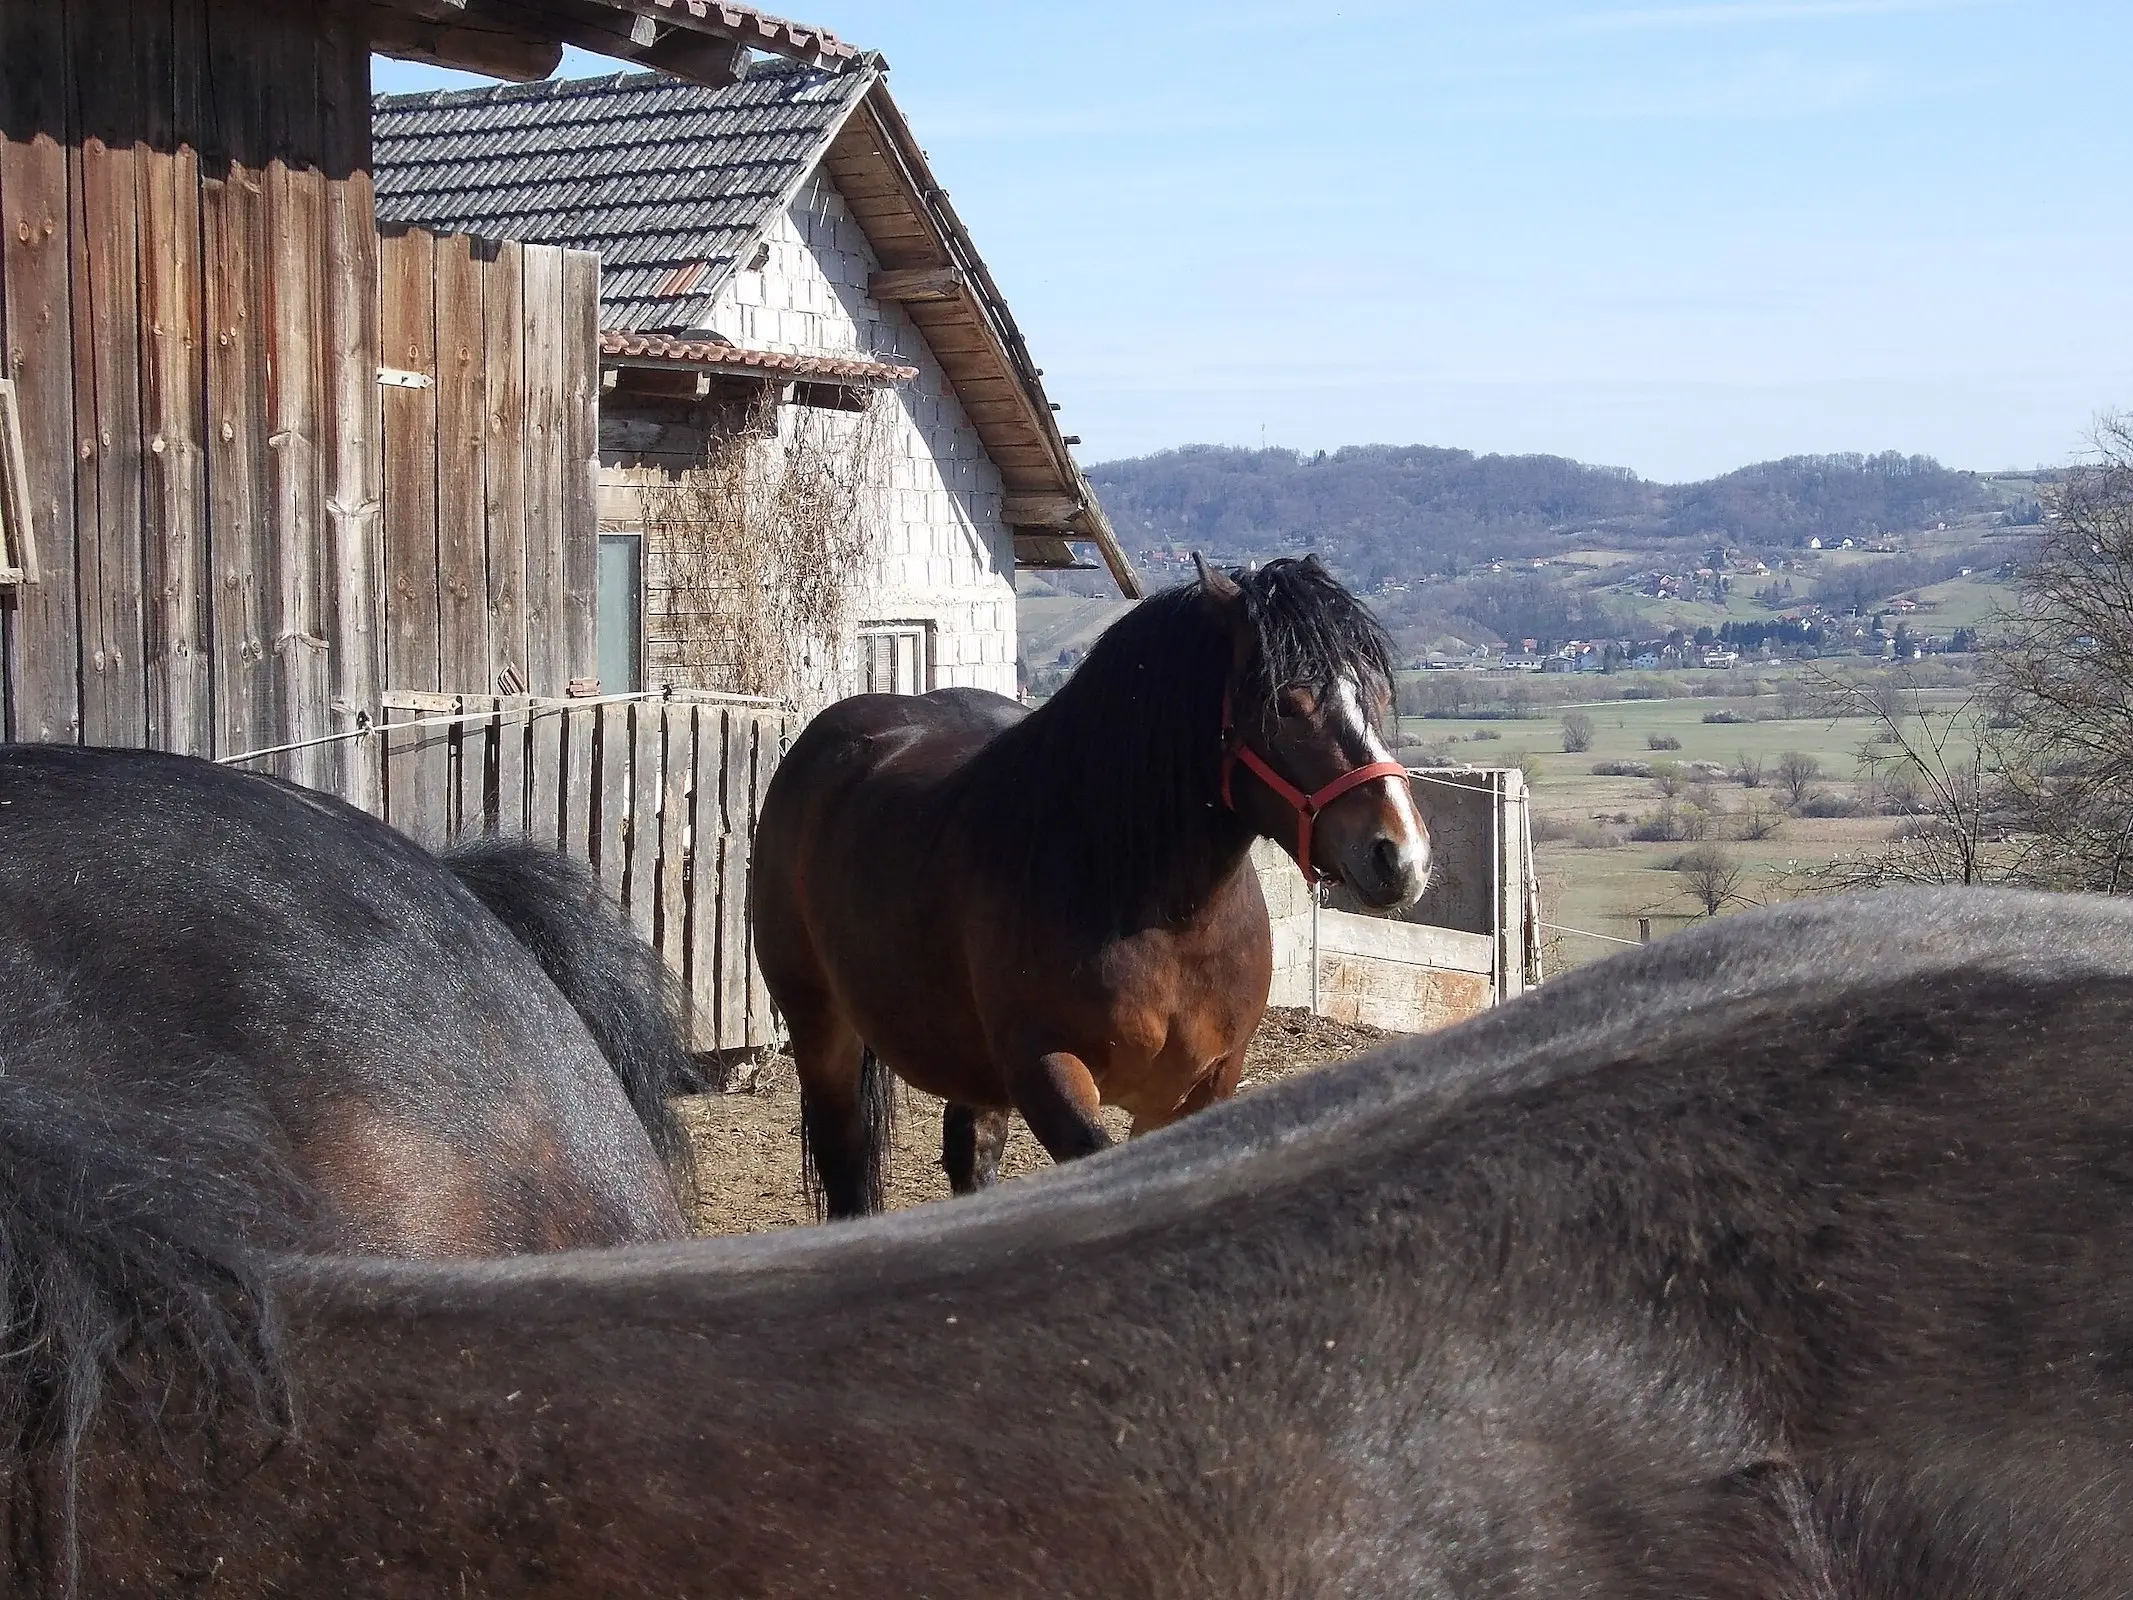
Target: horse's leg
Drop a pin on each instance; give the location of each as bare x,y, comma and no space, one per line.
1219,1084
843,1114
1058,1099
971,1142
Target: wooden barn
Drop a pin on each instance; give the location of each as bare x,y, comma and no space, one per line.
781,238
276,488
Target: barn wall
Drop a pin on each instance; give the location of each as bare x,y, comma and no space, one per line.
188,303
944,555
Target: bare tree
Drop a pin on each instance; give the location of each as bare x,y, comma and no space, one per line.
1750,771
1796,774
1960,834
1711,876
1668,778
1756,820
1577,733
2057,684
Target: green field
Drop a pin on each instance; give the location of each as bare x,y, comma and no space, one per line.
1605,890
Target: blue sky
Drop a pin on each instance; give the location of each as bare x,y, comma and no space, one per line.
1675,237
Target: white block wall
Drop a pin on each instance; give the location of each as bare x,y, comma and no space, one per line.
944,555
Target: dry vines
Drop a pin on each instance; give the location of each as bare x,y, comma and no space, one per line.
759,556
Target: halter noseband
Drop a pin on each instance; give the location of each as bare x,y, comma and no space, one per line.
1306,806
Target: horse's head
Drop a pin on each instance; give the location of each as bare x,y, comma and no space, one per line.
1303,757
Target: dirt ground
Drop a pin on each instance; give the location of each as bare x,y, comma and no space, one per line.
748,1145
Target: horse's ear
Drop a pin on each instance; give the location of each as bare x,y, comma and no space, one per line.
1315,567
1215,581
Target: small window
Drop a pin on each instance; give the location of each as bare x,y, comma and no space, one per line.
18,550
895,657
621,613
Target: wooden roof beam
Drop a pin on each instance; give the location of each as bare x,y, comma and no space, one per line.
1040,510
1040,553
444,36
906,285
745,26
701,41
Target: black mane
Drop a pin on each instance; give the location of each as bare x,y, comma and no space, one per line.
139,1189
1106,801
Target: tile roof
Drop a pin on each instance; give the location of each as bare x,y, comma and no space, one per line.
717,355
668,181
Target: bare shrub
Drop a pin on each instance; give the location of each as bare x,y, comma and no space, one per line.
1757,820
1662,741
1550,830
1577,733
1749,772
761,553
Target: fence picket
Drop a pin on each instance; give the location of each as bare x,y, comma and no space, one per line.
676,832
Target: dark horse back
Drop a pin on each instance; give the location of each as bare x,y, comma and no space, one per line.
432,1088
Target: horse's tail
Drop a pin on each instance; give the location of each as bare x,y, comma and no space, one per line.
137,1194
612,979
846,1167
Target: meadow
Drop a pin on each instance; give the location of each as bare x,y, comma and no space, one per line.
1594,877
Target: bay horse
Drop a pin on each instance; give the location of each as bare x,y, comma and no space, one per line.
1789,1258
1046,910
459,1057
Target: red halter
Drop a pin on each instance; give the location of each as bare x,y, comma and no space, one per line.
1306,806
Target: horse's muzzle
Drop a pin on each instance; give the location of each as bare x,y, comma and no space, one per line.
1388,871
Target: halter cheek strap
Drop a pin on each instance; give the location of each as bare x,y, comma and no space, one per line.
1306,806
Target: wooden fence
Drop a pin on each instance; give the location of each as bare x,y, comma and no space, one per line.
491,388
660,796
188,307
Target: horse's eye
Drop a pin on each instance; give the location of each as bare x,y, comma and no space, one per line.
1298,702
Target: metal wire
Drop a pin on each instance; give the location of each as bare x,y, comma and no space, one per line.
1587,933
544,705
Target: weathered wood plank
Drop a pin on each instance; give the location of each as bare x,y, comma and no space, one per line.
45,664
512,732
408,336
676,830
353,506
350,431
647,786
420,785
462,582
104,239
580,801
701,971
545,775
231,227
176,543
548,665
732,990
580,450
504,453
763,752
733,937
295,299
611,759
172,380
474,769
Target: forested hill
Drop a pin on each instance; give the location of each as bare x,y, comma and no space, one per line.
1382,513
